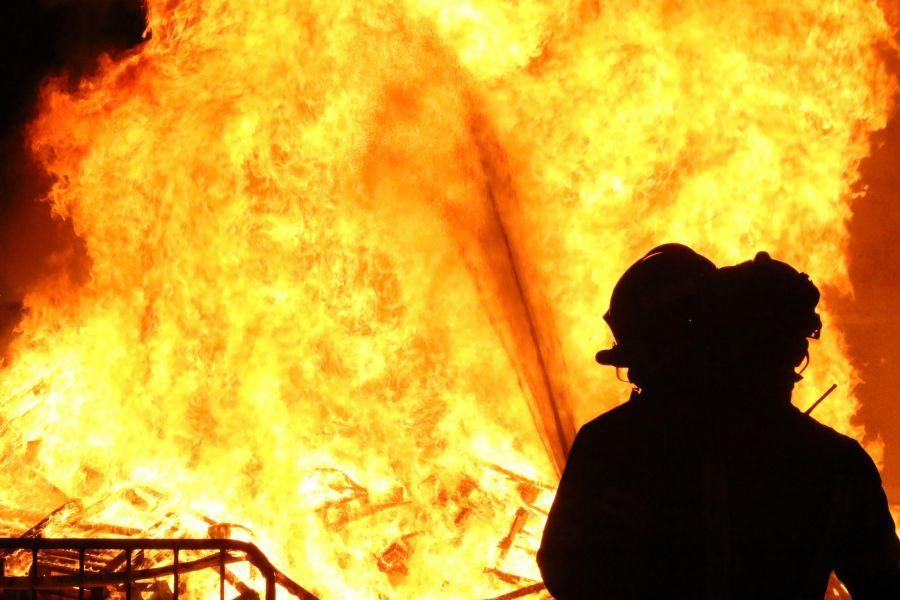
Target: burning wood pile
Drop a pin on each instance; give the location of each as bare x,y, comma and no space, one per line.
515,550
153,562
97,554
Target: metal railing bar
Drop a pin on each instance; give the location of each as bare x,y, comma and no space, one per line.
128,574
104,579
34,571
125,544
253,554
81,574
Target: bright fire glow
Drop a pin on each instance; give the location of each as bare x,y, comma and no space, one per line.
346,257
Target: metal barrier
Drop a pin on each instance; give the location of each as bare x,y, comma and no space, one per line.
69,568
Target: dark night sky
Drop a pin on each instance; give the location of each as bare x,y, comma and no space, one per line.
39,38
42,37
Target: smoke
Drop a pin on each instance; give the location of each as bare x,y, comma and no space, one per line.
38,40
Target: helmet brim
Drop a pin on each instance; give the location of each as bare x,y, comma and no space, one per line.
613,357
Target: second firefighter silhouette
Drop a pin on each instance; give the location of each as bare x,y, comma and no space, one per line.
707,483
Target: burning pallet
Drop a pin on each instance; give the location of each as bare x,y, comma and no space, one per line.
155,567
350,501
69,567
150,555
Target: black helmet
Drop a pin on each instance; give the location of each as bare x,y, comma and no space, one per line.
765,298
655,303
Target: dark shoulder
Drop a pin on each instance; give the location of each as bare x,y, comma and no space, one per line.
825,440
613,423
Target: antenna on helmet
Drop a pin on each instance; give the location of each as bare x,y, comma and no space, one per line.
822,397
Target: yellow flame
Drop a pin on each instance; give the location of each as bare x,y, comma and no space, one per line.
345,257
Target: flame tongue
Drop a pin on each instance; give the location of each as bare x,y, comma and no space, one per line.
343,257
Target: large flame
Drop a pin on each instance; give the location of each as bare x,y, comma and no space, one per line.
348,260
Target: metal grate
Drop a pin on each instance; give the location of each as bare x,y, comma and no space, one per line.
70,567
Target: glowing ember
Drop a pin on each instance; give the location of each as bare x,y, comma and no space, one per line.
348,261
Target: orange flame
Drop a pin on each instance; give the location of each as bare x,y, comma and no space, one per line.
346,257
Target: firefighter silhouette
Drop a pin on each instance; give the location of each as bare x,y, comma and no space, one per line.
707,483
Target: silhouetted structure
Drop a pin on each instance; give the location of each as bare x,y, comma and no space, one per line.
708,483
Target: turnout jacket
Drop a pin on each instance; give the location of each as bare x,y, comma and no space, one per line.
677,497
